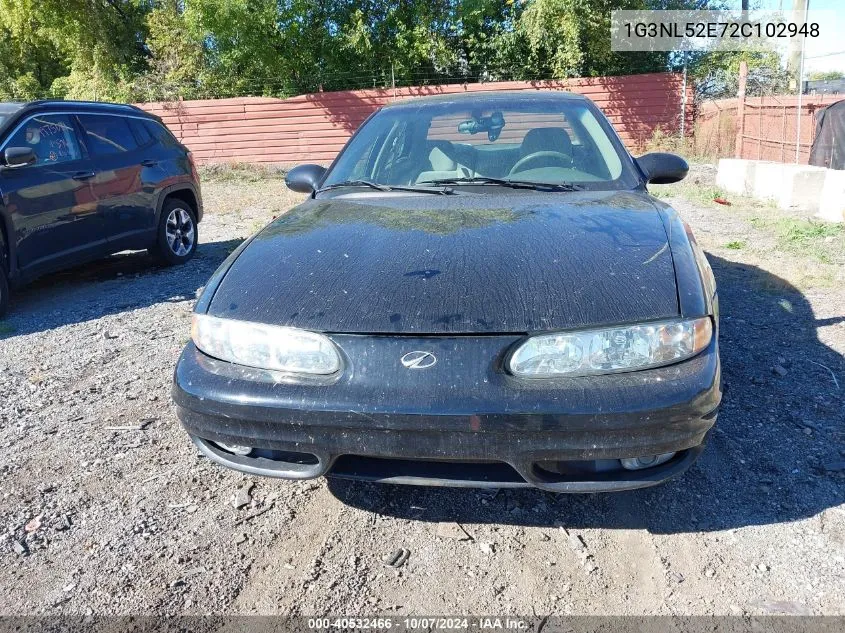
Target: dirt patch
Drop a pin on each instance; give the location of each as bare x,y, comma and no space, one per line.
106,507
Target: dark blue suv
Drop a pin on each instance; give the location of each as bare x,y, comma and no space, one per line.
79,181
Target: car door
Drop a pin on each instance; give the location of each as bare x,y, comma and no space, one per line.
124,184
51,204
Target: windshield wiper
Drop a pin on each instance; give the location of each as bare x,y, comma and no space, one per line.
507,182
380,187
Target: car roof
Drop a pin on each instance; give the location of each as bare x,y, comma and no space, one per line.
487,95
77,106
10,107
113,108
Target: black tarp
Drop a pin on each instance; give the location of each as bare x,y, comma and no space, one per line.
829,144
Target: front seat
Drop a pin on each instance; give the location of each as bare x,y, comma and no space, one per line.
443,167
546,139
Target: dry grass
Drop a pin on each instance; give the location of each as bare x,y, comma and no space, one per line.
806,252
246,190
807,237
240,172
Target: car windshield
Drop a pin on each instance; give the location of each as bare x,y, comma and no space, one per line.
549,141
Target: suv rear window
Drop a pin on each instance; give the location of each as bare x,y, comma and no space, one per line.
141,132
107,134
162,134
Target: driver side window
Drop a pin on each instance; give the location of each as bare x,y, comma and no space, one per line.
392,160
51,136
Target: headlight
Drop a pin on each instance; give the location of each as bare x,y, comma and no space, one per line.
265,346
610,350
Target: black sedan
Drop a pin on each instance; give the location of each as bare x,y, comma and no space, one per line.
478,292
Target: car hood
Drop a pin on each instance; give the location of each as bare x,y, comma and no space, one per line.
498,262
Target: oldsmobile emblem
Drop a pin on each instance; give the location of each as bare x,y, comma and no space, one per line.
418,360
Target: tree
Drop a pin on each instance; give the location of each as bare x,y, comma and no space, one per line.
27,67
163,49
176,59
826,75
716,74
99,42
554,39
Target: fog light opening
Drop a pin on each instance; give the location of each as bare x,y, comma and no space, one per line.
646,461
235,449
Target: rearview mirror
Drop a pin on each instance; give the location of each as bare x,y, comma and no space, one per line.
492,124
305,178
19,156
661,168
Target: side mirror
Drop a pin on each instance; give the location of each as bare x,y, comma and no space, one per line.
19,156
661,168
304,178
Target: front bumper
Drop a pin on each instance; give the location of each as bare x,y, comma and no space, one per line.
464,422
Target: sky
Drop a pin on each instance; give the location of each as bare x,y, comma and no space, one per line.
827,52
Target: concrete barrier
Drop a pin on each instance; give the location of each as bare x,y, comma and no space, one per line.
832,202
791,187
736,175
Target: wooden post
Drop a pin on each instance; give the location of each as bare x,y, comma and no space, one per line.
740,109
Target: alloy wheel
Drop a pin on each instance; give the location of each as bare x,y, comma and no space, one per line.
180,232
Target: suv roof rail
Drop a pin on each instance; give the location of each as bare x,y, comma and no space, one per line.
101,104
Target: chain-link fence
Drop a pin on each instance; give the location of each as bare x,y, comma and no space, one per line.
761,123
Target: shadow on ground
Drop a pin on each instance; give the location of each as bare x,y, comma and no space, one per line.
765,459
122,282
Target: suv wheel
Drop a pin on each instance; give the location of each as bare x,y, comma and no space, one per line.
177,232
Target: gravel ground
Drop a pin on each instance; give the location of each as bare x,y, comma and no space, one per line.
106,507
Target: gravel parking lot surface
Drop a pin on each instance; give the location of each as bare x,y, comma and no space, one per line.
107,508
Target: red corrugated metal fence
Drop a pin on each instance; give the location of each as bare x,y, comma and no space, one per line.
314,127
769,128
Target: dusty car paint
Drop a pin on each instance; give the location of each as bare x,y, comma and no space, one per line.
506,263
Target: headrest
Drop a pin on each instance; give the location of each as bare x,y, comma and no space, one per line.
546,139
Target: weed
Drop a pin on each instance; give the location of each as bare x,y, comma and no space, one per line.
239,172
821,241
702,194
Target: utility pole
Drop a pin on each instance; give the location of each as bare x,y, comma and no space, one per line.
796,45
684,100
740,109
801,81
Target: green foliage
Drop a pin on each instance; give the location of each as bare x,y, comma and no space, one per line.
89,47
163,49
27,66
822,241
716,74
176,55
826,75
